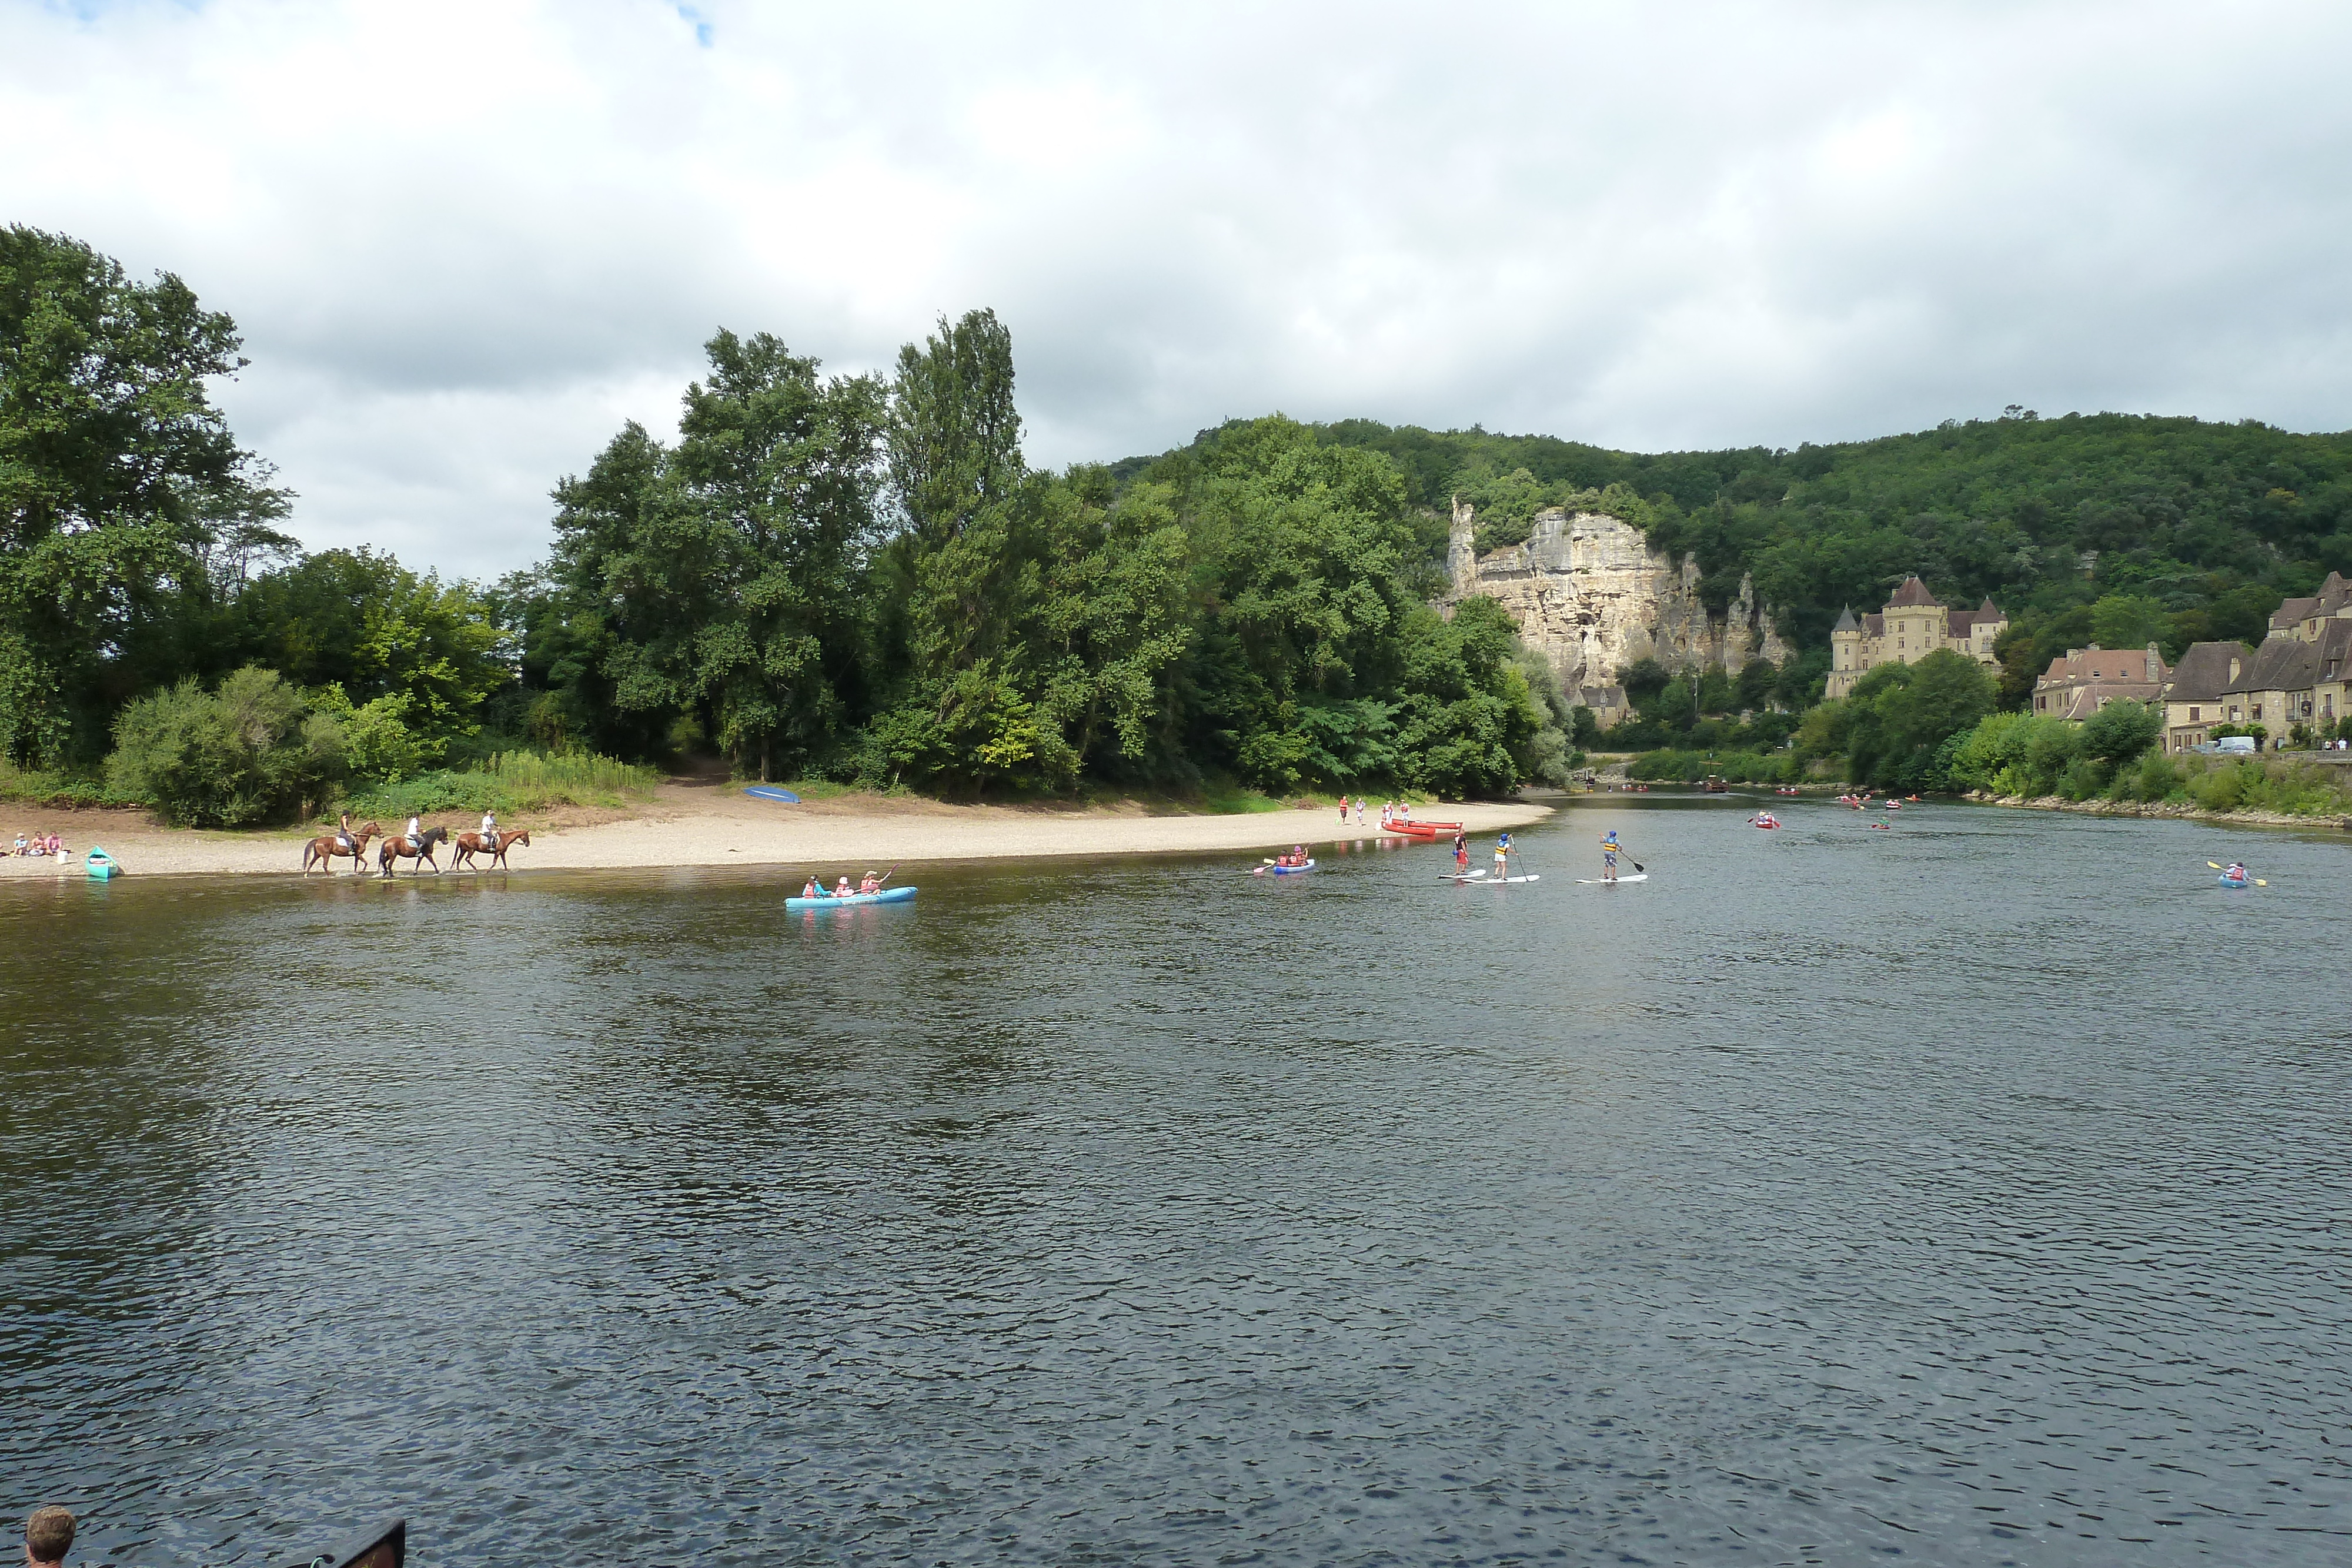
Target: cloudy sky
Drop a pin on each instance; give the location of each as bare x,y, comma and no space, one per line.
465,241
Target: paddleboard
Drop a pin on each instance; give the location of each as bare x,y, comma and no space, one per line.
1590,881
770,792
1494,881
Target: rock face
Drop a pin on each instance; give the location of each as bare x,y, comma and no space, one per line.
1588,592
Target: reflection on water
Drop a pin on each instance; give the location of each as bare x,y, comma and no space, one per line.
1969,1193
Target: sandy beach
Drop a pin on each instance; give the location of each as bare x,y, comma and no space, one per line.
694,823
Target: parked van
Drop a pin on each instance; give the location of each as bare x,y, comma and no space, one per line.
2241,744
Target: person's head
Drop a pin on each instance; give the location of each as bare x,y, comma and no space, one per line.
49,1536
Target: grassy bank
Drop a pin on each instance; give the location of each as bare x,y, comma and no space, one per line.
510,783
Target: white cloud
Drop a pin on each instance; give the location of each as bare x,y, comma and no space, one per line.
465,241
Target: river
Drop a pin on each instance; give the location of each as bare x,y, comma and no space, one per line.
1972,1192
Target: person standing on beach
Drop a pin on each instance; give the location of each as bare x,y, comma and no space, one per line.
1360,811
49,1536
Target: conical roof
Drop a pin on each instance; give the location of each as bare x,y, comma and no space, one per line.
1911,594
1845,622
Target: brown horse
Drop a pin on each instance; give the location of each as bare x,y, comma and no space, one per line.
401,848
324,850
468,845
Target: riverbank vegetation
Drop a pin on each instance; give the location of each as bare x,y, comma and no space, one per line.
860,580
854,577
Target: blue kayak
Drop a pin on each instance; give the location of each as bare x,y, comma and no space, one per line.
887,895
2234,881
1284,869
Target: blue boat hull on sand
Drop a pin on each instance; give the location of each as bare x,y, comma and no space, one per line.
770,792
887,895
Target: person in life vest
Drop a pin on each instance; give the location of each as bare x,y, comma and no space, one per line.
1503,855
813,889
1461,853
843,890
1609,848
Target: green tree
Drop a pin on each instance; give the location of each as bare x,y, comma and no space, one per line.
1901,714
379,634
2129,620
954,435
121,486
2121,730
722,579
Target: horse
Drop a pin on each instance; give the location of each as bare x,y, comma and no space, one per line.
466,846
324,850
400,848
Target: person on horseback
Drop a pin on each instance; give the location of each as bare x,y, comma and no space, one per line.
343,837
489,832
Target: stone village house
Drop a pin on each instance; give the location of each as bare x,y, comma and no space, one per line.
2301,674
2081,681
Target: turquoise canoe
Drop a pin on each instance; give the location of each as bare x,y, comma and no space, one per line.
887,895
100,864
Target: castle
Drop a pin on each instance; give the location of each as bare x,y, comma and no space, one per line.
1912,626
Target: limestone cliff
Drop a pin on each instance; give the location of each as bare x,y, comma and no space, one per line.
1589,594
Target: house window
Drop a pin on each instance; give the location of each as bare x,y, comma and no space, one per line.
2192,716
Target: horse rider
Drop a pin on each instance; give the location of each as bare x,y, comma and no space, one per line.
343,837
489,832
416,832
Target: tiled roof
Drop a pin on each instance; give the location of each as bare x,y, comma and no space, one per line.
1873,625
1911,594
1845,622
1988,611
1958,623
2203,672
2108,666
2280,664
2335,647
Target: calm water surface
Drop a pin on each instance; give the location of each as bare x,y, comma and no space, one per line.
1971,1193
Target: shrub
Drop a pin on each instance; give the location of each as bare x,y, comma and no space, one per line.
239,755
2222,789
2121,730
2084,778
2156,778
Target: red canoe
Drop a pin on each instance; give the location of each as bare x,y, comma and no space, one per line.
1422,830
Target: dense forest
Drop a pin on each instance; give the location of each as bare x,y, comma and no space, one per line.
861,577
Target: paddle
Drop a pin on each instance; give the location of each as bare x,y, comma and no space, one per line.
2258,881
889,875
